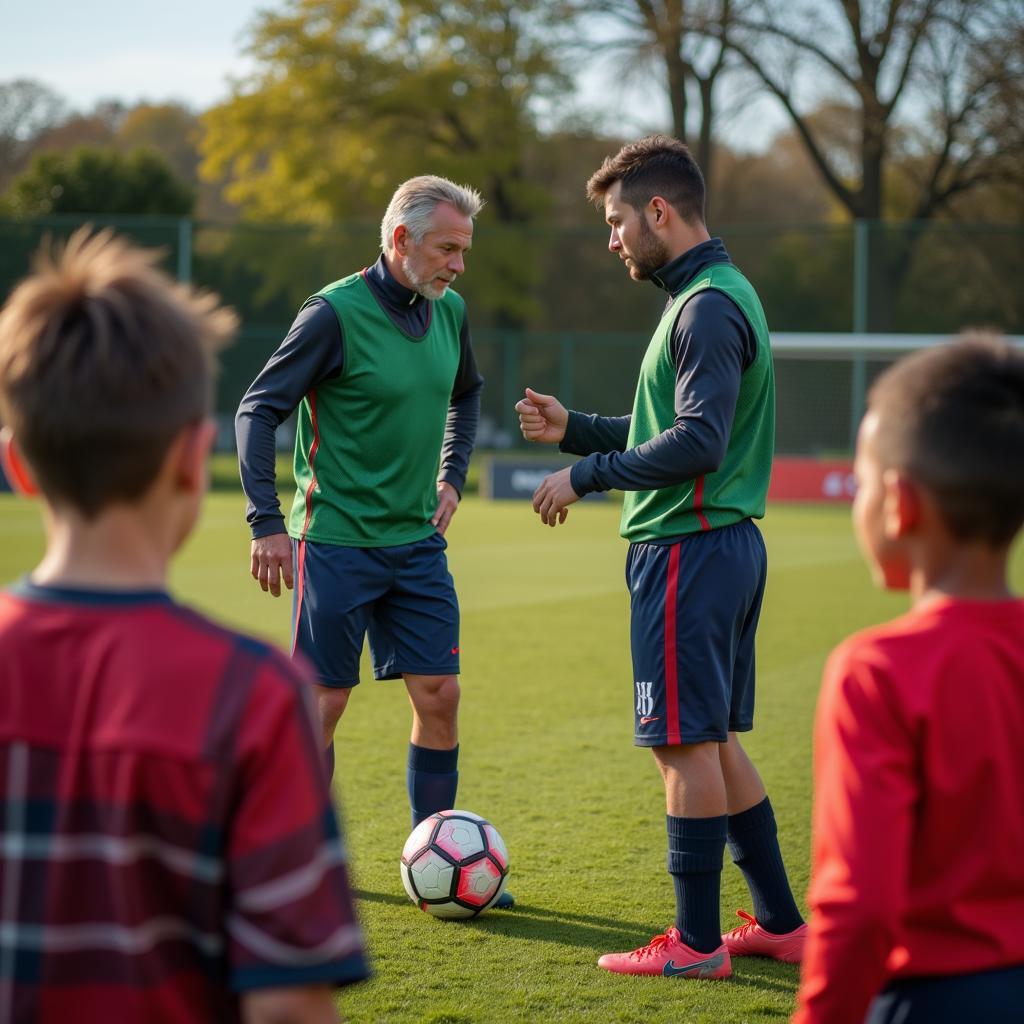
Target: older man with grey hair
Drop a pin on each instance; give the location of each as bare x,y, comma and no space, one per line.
381,370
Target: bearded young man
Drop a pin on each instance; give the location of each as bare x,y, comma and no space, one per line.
694,459
381,369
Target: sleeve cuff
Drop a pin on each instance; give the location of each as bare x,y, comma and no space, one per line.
267,527
581,476
457,480
336,973
570,443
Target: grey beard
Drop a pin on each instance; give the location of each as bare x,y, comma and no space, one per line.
428,291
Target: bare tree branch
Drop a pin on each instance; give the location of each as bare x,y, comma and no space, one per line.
816,152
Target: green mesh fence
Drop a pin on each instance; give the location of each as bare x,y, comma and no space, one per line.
550,307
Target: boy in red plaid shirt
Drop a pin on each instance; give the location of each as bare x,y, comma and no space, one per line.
170,853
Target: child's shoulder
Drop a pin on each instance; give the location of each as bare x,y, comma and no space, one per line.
886,638
151,632
244,647
910,648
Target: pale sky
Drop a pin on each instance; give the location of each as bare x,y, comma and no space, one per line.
187,50
88,50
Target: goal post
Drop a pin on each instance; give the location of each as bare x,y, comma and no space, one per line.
822,380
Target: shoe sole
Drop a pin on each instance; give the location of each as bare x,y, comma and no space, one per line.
681,972
785,957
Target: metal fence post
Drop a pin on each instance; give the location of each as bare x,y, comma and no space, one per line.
858,379
185,250
511,350
565,353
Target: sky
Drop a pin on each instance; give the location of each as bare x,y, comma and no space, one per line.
188,50
132,50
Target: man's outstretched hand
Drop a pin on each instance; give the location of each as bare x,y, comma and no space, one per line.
542,418
552,497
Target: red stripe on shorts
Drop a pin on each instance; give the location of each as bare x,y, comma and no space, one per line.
300,560
671,662
698,503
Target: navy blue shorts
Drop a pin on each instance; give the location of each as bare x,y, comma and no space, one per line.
986,997
402,597
694,610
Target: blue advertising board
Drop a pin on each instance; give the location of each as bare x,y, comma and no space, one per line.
506,478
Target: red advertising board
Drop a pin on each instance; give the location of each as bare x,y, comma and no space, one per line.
802,479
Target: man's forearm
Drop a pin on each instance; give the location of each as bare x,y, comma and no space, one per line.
586,434
459,438
682,453
255,436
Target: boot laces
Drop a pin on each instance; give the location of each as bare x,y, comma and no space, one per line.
744,928
652,947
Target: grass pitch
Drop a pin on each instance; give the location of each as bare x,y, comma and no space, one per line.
547,755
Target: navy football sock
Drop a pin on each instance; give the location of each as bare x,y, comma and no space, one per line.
433,779
329,761
695,848
754,845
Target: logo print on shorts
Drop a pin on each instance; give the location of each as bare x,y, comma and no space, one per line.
644,700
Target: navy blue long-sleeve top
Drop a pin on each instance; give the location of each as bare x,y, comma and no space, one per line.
711,344
314,351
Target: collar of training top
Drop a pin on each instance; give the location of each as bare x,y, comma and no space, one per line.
389,288
677,274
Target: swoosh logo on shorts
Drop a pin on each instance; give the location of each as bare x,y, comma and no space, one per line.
702,967
647,719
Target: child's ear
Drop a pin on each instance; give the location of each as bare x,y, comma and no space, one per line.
901,508
192,453
15,468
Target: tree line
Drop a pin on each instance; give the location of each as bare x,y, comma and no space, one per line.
895,110
901,108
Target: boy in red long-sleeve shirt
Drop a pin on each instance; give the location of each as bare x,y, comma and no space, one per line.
918,872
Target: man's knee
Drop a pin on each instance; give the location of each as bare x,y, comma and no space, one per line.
682,757
331,704
694,785
742,780
435,696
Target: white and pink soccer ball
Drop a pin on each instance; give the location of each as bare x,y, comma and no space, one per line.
454,864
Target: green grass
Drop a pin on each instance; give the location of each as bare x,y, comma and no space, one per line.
546,737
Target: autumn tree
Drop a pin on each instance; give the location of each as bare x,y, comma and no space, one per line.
27,109
933,91
92,180
927,68
174,131
687,43
352,96
169,128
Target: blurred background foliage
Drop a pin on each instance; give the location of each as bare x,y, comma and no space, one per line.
897,174
894,109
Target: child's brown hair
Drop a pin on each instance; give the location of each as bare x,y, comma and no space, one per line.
952,417
103,360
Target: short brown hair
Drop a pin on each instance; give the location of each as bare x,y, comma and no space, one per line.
656,165
103,360
952,417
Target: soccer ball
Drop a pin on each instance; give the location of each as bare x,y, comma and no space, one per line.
454,864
